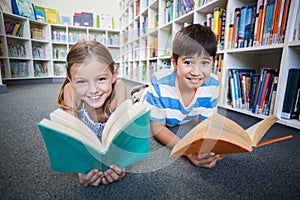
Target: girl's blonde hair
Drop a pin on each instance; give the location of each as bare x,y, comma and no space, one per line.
78,54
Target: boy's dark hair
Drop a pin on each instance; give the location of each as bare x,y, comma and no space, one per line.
194,39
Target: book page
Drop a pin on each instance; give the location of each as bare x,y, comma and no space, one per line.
120,120
222,123
84,132
257,131
112,120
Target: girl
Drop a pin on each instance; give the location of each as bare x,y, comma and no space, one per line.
92,92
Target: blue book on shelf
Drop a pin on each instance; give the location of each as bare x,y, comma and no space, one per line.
23,8
86,19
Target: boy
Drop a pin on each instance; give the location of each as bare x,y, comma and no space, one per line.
177,96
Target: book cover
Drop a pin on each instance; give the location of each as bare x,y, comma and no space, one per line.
73,147
221,135
40,13
86,19
65,20
290,96
51,16
23,8
76,19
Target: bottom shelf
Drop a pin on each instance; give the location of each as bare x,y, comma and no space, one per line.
293,123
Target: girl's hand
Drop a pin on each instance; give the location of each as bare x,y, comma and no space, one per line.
92,178
206,161
114,173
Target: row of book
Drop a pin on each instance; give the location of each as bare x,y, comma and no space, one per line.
217,22
19,69
40,69
16,50
59,53
14,29
37,33
183,7
59,69
38,52
260,23
168,11
252,91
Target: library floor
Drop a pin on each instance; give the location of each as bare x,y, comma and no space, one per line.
270,172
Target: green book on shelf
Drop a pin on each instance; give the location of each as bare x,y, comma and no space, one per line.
73,147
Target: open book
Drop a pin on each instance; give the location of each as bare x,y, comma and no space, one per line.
221,135
73,147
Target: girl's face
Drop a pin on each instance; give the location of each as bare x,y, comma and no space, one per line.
193,71
92,81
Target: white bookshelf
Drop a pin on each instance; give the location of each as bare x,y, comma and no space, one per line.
47,45
135,49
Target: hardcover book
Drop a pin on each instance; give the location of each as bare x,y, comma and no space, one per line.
221,135
289,108
73,147
23,8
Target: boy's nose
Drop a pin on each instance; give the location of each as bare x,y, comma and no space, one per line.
196,70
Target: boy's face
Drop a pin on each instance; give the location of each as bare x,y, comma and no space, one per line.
92,81
193,71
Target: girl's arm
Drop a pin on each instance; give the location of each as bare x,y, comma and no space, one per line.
120,94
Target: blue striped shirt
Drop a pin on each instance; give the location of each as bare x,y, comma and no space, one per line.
166,105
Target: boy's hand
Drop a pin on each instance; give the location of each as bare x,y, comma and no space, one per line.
206,161
96,177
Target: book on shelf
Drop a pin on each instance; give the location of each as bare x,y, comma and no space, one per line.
87,19
52,16
65,20
290,109
23,8
221,135
73,147
76,19
40,13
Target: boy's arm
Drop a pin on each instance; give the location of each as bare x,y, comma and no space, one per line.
163,134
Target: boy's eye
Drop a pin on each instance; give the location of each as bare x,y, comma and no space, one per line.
187,62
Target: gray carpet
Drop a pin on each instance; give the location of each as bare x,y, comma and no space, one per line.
270,172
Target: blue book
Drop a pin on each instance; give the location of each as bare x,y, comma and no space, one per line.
73,147
23,8
260,90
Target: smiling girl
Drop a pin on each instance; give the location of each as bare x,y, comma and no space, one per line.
92,92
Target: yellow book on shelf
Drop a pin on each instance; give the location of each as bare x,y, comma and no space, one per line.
15,30
51,16
221,135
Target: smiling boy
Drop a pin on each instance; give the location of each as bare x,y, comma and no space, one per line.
187,92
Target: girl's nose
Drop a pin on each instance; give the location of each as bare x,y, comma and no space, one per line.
94,88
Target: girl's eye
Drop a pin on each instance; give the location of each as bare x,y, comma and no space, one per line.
101,79
80,82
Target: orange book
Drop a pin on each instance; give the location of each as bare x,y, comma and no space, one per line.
221,135
259,26
284,20
274,28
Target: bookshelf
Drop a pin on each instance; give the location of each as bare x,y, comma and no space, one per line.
141,33
38,50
